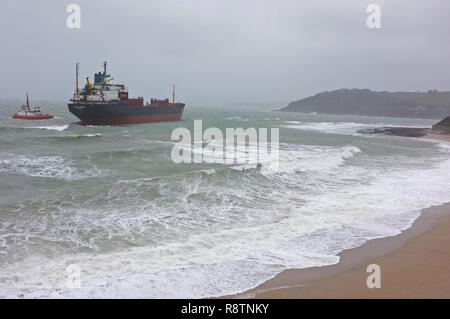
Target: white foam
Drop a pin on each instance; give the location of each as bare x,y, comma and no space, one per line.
43,166
293,122
59,128
332,127
208,171
209,241
83,135
92,135
297,158
346,128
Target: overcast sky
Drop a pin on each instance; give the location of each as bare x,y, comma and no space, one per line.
225,51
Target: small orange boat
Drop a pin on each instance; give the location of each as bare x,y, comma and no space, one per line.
31,114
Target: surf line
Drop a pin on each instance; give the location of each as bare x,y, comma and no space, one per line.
241,146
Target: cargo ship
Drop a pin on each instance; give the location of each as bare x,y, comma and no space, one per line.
103,103
28,113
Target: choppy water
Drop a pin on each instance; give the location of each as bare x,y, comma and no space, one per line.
110,200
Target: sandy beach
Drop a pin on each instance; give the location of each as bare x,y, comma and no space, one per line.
440,137
414,264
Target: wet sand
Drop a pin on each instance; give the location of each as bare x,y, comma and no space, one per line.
414,264
436,136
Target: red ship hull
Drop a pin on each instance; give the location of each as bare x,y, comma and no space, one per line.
132,111
32,117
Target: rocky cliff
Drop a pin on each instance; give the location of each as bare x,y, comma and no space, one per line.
443,126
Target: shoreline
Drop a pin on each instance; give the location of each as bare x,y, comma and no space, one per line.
414,264
415,132
437,136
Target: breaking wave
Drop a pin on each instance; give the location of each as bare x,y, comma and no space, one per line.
56,167
59,128
150,228
346,128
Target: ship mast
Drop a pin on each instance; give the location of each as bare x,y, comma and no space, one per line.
28,102
77,67
173,94
104,67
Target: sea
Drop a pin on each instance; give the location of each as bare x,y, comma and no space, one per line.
105,212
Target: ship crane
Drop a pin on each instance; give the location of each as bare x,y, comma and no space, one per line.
91,86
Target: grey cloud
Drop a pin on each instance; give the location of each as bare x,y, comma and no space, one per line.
221,51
